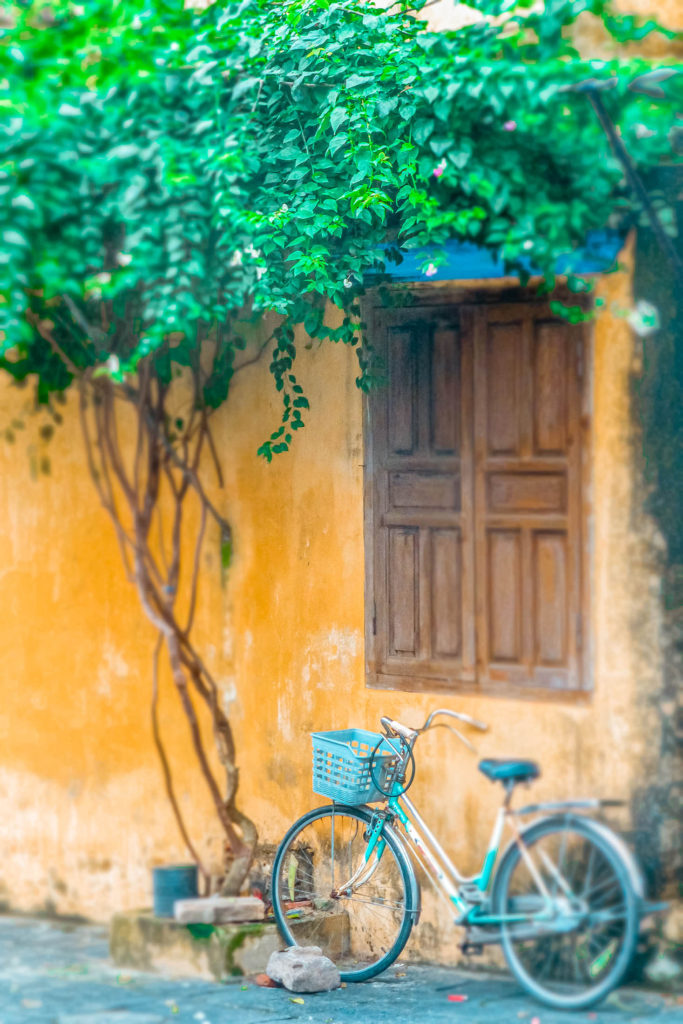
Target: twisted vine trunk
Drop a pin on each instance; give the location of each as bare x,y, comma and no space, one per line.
146,493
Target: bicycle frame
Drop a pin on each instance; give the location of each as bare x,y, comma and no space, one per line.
441,868
418,839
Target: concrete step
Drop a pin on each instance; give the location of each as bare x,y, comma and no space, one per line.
139,940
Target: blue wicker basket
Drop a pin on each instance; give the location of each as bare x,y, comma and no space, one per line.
341,765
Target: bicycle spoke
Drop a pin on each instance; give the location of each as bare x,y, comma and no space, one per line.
589,872
560,863
602,888
357,930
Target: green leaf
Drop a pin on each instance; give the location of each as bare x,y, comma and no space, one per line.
354,81
23,202
124,152
226,553
337,118
386,106
422,130
440,145
337,142
243,86
12,237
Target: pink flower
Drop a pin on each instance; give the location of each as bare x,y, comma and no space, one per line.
439,169
431,270
510,126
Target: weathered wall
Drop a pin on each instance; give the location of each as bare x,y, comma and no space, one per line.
81,800
80,790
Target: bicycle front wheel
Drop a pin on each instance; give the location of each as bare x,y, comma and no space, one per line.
361,925
587,919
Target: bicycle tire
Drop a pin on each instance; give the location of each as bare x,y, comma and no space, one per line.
376,954
595,973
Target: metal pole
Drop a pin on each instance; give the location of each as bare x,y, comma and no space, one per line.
635,181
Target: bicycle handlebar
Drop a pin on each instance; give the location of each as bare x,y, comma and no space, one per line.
404,731
482,726
410,735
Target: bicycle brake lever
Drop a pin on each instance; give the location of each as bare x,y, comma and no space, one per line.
482,726
443,725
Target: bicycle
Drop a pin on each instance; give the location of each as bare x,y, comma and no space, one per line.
564,902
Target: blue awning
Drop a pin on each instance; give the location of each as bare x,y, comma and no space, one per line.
467,262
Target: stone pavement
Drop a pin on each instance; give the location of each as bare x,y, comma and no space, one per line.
54,973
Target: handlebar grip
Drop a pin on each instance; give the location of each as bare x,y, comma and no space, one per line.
482,726
401,730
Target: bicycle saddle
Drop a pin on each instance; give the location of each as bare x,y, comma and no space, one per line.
509,771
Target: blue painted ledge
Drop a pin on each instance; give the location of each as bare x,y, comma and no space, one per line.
467,262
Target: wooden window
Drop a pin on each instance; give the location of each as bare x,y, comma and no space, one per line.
473,501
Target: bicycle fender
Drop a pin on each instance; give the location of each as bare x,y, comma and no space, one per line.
557,806
415,909
611,838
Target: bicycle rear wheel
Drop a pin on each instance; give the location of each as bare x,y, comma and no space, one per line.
589,885
362,928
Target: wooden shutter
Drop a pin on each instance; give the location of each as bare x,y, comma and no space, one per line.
474,571
527,498
420,589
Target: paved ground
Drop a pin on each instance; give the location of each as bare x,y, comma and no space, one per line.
57,974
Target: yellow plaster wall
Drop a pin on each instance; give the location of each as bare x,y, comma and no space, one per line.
81,804
81,801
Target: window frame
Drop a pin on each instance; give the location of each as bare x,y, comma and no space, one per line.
461,300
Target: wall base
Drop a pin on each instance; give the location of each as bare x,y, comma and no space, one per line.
220,952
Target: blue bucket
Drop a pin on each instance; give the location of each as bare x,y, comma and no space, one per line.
173,882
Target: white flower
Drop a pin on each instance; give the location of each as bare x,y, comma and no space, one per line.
644,319
236,259
113,364
278,213
431,270
123,259
528,244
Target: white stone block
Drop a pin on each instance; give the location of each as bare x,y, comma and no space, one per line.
303,969
195,911
219,910
238,908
